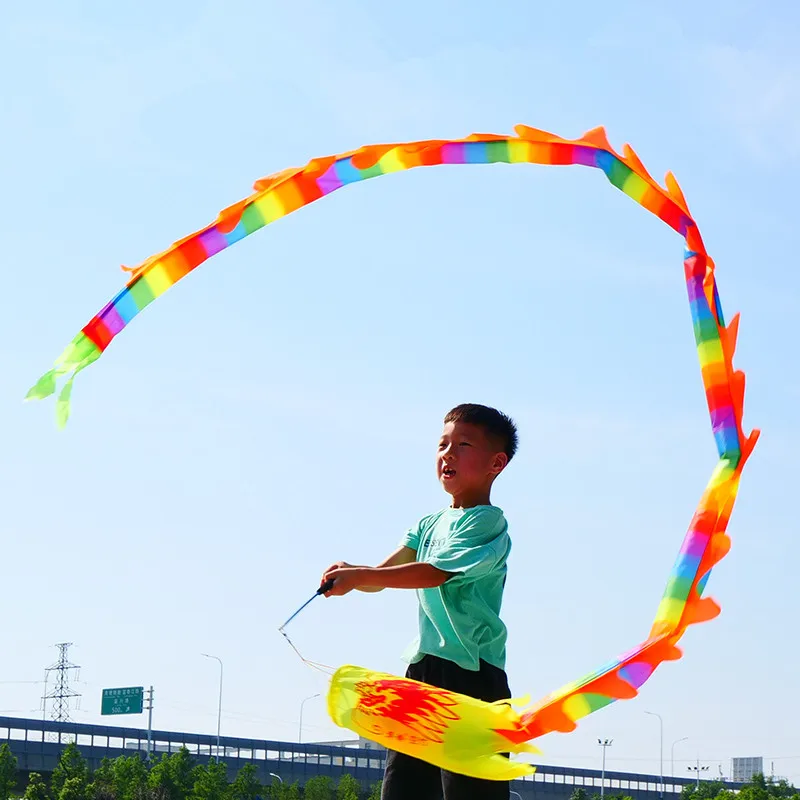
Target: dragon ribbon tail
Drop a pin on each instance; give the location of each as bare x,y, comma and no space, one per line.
79,354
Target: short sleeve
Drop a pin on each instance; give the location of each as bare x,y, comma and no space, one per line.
413,536
477,546
470,561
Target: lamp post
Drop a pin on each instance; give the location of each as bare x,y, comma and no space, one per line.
661,750
699,770
604,743
672,753
219,708
511,791
274,775
300,732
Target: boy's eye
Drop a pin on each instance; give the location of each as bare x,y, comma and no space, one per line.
465,444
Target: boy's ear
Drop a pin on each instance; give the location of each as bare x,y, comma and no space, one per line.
499,463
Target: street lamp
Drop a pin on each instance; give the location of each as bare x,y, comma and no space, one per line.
511,791
273,775
699,770
300,732
604,743
219,709
672,753
661,750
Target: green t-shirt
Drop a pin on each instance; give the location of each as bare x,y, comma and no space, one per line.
460,620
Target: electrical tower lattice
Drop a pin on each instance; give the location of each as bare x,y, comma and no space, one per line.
62,693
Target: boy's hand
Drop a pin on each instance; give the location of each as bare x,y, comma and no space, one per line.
345,579
326,574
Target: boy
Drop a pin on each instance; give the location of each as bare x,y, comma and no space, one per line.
456,560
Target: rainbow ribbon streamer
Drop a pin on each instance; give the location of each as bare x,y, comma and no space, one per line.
706,541
458,733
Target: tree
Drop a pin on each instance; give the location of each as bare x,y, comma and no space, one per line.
596,795
102,785
617,796
375,791
707,790
761,788
781,788
210,782
129,778
71,765
578,794
758,788
275,790
75,788
8,771
349,788
246,785
278,790
171,775
36,788
285,791
320,787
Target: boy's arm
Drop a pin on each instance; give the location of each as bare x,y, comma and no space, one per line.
407,574
403,555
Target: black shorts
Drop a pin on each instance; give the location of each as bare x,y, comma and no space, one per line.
408,778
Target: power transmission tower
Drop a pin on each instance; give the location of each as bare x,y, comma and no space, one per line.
62,693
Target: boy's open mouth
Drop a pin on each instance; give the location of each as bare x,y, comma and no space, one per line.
448,472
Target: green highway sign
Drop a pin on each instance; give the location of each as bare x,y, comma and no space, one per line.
129,700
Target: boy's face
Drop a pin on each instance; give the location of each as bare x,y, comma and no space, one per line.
466,461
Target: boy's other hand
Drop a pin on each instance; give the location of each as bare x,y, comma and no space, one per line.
344,577
326,574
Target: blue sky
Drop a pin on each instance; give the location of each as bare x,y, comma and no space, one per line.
278,409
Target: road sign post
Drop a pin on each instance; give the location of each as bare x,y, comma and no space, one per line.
150,722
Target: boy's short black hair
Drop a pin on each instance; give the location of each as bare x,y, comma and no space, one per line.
495,424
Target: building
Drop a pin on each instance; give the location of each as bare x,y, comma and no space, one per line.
37,744
743,769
